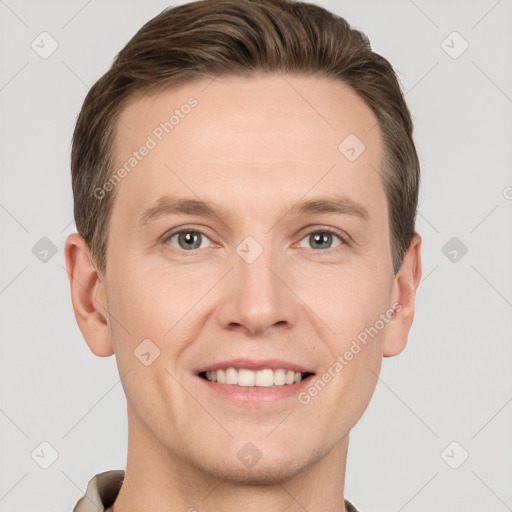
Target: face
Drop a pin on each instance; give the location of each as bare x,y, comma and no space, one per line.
268,273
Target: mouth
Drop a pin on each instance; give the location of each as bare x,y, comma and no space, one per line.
252,383
250,380
264,378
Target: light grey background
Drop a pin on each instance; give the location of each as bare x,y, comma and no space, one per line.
453,381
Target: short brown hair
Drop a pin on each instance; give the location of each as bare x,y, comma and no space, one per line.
212,38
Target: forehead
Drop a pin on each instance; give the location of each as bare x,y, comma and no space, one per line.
263,137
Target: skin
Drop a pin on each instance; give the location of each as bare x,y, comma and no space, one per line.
256,147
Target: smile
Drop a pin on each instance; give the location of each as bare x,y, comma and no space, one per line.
266,377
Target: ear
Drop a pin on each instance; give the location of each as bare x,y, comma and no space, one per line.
405,284
88,296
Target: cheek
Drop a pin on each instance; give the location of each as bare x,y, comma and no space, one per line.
143,300
142,313
352,310
346,299
153,304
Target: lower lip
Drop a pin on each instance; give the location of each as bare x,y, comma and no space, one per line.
257,394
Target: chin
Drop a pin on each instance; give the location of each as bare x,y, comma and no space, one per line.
269,472
271,468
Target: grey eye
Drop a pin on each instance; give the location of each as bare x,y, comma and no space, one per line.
321,239
188,240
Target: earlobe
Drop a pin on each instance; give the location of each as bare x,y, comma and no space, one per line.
88,296
406,283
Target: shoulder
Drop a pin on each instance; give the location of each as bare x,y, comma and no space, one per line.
102,491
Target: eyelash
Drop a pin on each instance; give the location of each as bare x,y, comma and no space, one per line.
340,234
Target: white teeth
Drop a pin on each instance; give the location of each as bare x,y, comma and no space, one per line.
249,378
279,377
290,377
265,378
231,376
246,377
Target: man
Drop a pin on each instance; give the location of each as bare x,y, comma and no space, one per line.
245,184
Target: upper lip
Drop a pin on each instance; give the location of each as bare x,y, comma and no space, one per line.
254,364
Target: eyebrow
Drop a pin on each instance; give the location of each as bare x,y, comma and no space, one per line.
334,203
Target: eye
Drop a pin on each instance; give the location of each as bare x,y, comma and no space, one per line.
191,239
323,239
188,239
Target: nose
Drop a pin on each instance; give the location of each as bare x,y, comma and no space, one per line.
257,294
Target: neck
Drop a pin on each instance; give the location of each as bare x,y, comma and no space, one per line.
157,478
